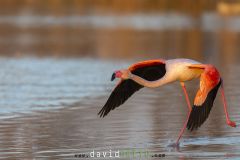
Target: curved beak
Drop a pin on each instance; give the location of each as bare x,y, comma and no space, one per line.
113,76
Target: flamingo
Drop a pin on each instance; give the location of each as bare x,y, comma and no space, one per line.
155,73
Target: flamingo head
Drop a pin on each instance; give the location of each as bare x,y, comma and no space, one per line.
123,74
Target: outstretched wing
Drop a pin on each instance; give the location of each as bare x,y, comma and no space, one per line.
119,95
209,83
150,70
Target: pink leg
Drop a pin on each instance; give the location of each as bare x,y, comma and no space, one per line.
186,96
189,111
229,122
183,128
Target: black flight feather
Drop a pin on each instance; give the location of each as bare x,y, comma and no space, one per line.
199,114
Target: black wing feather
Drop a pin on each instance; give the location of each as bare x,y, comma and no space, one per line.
120,94
199,114
128,87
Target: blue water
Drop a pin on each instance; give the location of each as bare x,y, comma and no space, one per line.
30,84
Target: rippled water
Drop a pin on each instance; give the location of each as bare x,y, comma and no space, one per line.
30,84
49,111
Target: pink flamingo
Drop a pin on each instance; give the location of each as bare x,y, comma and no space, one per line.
155,73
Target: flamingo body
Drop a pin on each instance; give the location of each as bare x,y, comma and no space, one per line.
178,70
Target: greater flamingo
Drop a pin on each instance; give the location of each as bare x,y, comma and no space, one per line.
155,73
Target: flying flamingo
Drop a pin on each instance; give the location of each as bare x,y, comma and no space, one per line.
155,73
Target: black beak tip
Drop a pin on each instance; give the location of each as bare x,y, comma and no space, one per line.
113,76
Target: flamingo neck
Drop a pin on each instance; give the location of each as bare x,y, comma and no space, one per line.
146,83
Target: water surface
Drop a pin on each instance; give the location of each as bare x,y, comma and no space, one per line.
49,111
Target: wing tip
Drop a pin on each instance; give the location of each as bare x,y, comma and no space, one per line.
197,117
199,114
102,113
118,96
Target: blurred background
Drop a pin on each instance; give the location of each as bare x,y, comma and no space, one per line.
120,28
57,57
